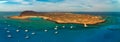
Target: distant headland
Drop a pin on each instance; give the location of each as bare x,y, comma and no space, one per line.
61,17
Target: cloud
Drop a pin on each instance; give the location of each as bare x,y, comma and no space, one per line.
16,2
64,5
3,1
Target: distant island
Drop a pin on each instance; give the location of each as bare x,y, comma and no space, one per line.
61,17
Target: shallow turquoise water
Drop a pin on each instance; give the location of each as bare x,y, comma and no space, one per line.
104,32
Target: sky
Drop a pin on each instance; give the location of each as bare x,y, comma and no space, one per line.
61,5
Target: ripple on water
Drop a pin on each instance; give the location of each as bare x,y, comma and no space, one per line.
111,27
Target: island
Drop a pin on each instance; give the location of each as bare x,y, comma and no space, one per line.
62,17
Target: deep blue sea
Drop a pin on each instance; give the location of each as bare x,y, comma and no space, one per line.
40,30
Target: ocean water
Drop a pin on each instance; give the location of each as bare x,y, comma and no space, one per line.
40,30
